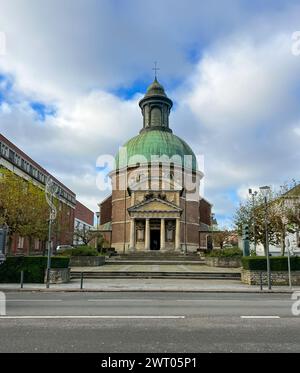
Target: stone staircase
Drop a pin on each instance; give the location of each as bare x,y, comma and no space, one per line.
155,265
158,275
156,257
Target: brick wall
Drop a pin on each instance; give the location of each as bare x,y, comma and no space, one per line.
84,214
205,212
106,210
277,277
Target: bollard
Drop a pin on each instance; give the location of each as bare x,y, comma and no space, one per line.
81,280
22,279
260,280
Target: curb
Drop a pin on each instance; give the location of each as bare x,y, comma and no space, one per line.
147,291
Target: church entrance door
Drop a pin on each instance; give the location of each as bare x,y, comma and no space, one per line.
154,239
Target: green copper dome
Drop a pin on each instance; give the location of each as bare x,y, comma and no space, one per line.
156,143
156,138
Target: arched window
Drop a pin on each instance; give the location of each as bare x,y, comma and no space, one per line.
156,117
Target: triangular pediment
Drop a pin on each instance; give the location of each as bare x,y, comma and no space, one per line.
155,205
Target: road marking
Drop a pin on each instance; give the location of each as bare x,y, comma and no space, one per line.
34,300
233,300
92,317
260,317
122,300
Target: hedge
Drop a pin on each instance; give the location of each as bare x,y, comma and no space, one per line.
33,267
278,263
80,251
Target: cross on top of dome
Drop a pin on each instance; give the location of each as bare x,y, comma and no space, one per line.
155,68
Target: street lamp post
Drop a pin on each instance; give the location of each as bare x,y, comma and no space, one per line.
50,190
253,195
185,227
183,192
288,246
285,222
265,191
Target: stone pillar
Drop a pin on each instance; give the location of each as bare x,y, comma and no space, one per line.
162,234
147,234
132,234
177,235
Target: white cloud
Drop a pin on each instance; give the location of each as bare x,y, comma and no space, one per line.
238,105
243,82
69,143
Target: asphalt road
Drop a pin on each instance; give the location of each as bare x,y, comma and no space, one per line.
149,322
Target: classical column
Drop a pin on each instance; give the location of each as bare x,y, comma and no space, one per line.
162,234
132,234
147,234
177,235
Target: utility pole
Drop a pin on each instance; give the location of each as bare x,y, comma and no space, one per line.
185,227
253,195
265,191
50,190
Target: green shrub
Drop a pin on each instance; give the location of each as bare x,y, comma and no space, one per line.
231,252
33,267
79,251
278,263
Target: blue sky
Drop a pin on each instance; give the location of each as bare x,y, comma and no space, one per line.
71,77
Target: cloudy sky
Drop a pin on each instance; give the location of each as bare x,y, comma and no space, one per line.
72,72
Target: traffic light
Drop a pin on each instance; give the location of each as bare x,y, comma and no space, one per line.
246,232
246,244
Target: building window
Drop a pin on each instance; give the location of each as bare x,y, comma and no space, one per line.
155,117
20,242
11,155
36,244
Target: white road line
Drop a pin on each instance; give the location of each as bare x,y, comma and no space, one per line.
122,300
233,300
33,300
91,317
184,300
260,317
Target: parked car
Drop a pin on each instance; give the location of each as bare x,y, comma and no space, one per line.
63,248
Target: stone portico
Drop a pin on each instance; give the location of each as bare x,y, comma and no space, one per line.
155,225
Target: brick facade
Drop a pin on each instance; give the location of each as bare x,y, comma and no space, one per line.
114,209
84,214
15,160
106,210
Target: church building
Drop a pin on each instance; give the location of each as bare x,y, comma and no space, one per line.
155,202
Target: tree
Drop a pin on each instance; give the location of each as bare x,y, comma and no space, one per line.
23,208
220,237
282,214
88,235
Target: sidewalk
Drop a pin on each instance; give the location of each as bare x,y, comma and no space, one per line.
150,285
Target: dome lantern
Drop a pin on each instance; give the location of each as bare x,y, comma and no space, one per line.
156,138
156,107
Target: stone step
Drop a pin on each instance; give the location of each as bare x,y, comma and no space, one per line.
159,253
158,260
157,256
153,261
171,275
